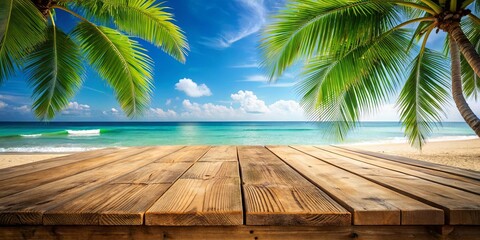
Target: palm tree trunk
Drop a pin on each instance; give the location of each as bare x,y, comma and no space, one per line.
466,47
457,92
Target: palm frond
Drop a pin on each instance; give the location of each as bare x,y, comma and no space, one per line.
424,95
410,12
471,81
55,71
93,10
4,13
121,62
305,28
420,31
22,27
340,89
150,21
145,19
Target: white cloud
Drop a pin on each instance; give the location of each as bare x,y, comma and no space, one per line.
192,107
208,111
75,108
249,102
247,65
18,99
78,106
3,105
22,109
253,16
168,102
256,78
282,110
158,112
279,85
192,89
285,106
112,111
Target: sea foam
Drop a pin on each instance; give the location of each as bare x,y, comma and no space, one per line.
31,135
92,132
39,149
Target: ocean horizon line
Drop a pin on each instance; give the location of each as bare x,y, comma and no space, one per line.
226,121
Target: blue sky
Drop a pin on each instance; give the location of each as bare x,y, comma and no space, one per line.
220,80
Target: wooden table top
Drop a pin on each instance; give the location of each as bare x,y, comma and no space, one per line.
237,185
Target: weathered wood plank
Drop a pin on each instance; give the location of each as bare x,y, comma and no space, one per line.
29,181
444,168
449,180
369,203
29,168
189,154
99,207
124,200
234,232
221,153
461,208
27,207
275,194
438,173
207,194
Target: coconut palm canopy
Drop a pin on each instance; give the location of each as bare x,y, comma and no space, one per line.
357,54
104,37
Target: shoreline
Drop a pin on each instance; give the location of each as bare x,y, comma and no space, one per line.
457,153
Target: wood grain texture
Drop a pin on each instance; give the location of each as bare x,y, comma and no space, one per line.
182,186
27,207
428,165
460,207
275,194
207,194
110,204
29,168
28,181
369,203
220,153
187,154
448,180
235,232
124,200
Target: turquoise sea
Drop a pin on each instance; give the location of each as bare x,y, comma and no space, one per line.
80,136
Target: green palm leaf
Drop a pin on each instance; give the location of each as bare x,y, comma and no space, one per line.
339,90
55,71
121,62
22,27
4,10
424,95
307,27
141,18
94,10
471,82
149,21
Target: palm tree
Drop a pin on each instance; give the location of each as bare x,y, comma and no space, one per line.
357,53
30,41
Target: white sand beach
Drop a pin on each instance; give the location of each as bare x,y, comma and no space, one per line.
461,153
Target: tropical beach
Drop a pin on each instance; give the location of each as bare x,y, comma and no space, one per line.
241,119
460,153
453,144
